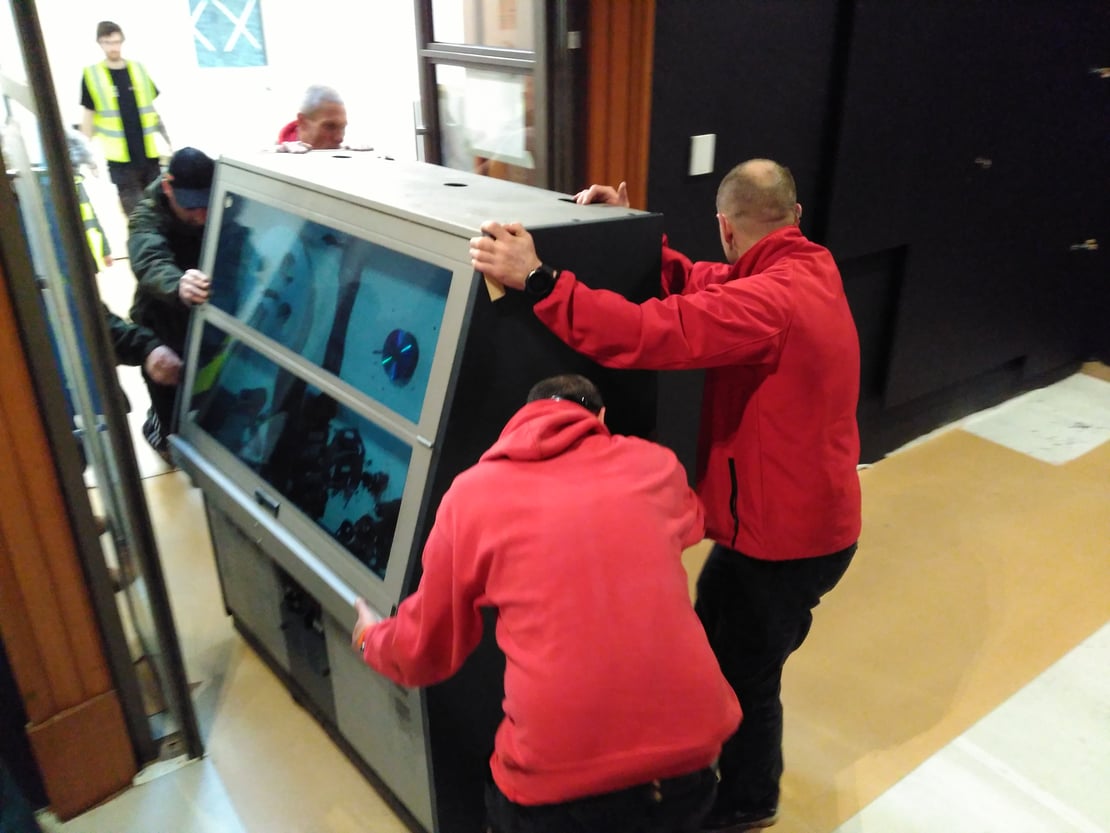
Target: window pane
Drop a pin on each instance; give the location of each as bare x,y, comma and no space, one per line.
503,24
337,467
487,119
314,280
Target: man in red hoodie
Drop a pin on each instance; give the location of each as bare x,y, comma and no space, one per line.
615,707
778,444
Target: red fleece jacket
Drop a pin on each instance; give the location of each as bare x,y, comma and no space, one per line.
289,133
778,444
575,536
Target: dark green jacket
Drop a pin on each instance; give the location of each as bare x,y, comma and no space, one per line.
161,248
132,343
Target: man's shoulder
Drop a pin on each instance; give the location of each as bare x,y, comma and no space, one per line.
639,451
152,211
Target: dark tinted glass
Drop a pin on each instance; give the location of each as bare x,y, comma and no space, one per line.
366,313
336,467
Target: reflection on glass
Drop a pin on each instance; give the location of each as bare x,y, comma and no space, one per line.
339,469
367,314
503,24
488,122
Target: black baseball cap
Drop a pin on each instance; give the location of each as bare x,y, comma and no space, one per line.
192,173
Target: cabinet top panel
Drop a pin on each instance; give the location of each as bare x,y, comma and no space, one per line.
456,202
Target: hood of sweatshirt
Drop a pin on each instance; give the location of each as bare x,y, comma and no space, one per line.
543,429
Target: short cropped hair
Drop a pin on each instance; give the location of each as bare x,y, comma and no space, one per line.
106,27
571,387
317,96
758,189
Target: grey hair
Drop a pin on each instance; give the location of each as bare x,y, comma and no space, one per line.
317,96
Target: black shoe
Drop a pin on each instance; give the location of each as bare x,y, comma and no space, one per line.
738,821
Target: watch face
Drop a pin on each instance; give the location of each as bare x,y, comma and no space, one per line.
540,282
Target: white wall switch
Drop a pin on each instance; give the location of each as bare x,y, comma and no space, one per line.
702,148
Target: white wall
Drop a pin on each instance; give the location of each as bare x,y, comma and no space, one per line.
364,48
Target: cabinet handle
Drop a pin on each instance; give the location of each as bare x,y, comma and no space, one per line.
266,501
983,162
1090,245
1101,72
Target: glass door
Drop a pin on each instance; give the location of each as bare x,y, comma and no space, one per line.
53,265
499,80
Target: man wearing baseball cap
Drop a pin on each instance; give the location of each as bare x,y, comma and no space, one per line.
164,239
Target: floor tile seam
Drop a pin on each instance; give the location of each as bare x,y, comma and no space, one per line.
1077,821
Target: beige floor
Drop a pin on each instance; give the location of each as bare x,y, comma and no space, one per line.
979,568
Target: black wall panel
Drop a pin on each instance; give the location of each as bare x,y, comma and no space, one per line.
954,157
754,72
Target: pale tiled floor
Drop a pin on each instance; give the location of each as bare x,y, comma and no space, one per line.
956,681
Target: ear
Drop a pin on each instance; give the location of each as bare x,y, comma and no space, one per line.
167,186
727,233
797,213
601,415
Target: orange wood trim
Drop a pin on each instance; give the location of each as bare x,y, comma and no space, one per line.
17,634
84,755
597,95
621,38
49,628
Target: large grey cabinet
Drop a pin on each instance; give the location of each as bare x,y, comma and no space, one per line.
349,365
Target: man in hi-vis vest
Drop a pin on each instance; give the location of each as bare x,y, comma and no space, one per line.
118,97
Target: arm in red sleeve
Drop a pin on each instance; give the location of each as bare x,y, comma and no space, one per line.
439,625
681,276
741,322
690,509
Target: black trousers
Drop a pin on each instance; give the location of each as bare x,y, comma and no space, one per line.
671,805
130,178
756,613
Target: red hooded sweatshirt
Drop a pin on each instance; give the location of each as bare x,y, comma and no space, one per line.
575,536
778,445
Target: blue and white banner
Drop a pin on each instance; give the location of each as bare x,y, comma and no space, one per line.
228,33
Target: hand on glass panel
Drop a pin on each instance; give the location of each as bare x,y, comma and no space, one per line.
606,194
504,253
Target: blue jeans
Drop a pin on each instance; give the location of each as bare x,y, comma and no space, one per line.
756,613
672,805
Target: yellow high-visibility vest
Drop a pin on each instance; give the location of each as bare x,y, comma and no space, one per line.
107,122
94,234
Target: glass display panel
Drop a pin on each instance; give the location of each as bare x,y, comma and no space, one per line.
339,469
366,313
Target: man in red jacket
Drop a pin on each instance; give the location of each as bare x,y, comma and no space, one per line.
321,122
778,444
615,707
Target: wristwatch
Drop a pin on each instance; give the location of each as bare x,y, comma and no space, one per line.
540,281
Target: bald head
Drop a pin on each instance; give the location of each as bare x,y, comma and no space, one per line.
754,199
759,190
